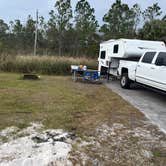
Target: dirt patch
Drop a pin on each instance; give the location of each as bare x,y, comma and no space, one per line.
120,145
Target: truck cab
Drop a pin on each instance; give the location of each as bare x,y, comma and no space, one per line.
150,70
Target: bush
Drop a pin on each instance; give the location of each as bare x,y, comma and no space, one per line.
44,64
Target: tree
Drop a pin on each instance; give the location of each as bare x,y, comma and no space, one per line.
153,30
3,35
29,34
119,21
3,27
152,12
85,25
17,27
61,20
137,15
164,18
42,36
18,35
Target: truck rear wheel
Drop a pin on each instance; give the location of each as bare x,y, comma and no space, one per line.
125,81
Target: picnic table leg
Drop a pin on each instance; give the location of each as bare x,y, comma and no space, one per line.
74,78
73,75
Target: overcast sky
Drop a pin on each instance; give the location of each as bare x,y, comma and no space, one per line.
20,9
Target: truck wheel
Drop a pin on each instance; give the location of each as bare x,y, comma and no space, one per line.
125,81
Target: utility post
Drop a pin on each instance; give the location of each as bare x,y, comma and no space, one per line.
36,32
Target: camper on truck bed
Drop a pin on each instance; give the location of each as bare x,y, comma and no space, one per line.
134,61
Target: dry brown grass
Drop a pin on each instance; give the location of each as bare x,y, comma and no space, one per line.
44,64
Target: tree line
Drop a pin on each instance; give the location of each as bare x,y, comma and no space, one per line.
77,33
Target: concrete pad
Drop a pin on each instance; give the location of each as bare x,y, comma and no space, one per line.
151,103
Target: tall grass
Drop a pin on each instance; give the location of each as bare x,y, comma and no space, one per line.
44,64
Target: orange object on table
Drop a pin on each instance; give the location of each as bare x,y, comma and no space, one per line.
81,66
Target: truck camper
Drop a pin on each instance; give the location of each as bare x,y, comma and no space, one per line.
134,60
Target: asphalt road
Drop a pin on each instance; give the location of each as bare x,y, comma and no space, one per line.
151,103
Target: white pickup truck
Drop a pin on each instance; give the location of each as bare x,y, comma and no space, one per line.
150,70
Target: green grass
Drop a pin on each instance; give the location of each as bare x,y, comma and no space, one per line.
58,102
159,153
51,65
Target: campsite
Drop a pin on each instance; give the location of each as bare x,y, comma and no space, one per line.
76,90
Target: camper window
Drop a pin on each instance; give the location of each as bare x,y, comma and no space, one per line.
148,57
116,48
102,55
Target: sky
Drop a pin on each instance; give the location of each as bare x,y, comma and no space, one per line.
20,9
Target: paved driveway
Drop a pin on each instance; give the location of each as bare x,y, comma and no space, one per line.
152,104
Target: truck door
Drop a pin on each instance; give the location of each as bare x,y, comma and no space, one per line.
144,69
159,71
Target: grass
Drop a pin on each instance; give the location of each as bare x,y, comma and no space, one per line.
159,153
51,65
58,102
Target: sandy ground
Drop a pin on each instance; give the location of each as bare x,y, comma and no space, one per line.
151,103
114,144
33,147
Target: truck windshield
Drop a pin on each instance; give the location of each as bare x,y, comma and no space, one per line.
161,59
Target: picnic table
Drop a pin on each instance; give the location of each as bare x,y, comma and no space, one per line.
84,74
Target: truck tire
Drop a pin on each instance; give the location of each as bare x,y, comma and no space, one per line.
125,81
